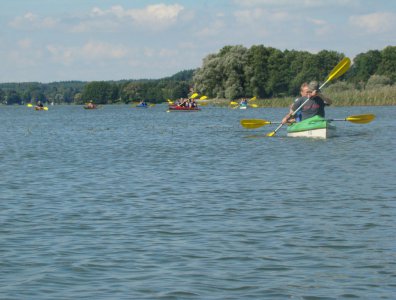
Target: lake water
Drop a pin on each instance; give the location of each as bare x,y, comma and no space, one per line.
122,203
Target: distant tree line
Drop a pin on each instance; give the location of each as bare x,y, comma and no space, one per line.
233,72
100,92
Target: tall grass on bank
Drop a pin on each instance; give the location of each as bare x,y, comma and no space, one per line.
271,102
373,96
341,96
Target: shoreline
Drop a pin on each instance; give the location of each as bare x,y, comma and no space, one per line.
285,102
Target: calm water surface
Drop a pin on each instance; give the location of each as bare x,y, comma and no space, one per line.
122,203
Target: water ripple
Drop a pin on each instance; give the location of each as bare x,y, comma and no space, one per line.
126,204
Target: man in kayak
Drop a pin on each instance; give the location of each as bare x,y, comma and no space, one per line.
244,102
91,104
304,92
314,106
39,106
142,103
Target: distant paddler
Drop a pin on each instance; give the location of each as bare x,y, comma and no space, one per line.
40,106
90,105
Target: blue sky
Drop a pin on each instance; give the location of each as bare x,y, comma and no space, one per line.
59,40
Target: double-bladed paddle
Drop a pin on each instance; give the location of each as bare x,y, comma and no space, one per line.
357,119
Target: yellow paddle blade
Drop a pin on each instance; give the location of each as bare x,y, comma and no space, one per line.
45,108
254,98
203,98
233,103
254,123
361,119
271,133
338,70
169,101
254,105
195,95
29,105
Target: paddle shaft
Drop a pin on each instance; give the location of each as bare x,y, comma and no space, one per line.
358,119
332,120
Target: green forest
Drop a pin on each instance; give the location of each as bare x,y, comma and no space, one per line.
232,73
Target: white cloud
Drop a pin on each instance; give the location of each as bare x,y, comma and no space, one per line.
321,27
105,25
155,16
167,52
213,29
249,15
23,59
25,43
264,2
60,54
378,22
99,50
318,22
160,12
259,14
90,51
294,3
149,52
189,45
32,21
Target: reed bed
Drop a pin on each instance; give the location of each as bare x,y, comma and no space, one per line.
373,96
385,95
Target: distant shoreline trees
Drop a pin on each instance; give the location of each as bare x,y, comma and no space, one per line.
232,73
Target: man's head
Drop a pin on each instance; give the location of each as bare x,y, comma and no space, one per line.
314,86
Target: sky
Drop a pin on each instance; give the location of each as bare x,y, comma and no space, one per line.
92,40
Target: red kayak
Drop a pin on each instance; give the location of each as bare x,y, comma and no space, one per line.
183,108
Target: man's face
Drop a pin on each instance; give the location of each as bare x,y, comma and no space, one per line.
306,92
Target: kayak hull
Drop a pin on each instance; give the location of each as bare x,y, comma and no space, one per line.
323,133
315,127
243,107
182,108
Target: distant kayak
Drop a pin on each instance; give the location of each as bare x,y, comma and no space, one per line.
40,108
141,106
90,107
182,108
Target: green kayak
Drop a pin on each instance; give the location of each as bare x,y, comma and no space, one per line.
315,127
